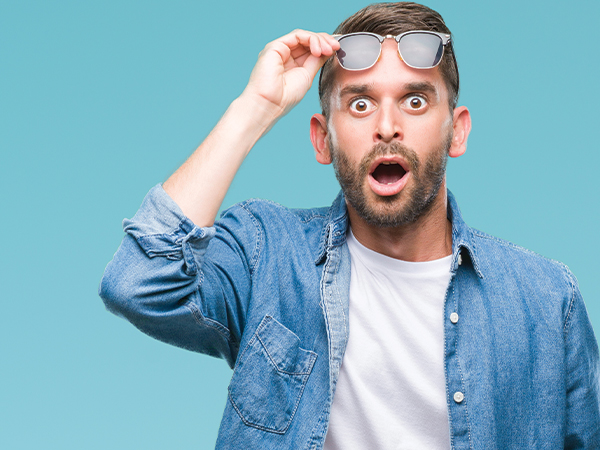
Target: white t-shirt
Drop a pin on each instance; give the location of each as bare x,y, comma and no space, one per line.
391,390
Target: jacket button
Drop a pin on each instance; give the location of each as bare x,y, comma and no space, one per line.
459,259
453,317
459,397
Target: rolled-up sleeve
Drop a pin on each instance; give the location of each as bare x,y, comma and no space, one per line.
182,284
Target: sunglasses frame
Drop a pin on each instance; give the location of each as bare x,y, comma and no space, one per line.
444,37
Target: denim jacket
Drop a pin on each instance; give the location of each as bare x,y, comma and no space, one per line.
266,288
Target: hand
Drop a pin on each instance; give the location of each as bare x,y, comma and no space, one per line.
287,66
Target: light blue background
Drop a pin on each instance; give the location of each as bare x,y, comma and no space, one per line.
99,101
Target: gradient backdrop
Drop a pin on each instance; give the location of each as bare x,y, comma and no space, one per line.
99,101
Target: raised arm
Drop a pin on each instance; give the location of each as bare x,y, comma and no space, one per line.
165,278
283,74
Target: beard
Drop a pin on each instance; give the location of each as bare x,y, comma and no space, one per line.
408,205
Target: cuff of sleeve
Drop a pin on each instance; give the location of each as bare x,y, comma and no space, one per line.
161,229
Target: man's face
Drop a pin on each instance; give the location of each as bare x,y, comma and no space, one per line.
389,133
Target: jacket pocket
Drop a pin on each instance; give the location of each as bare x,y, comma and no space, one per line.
270,376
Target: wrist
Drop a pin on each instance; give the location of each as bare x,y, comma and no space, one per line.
258,109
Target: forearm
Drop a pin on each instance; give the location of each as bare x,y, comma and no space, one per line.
200,184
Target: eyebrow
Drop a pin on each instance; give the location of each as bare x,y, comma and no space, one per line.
419,86
354,89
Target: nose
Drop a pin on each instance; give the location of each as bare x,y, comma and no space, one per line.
388,125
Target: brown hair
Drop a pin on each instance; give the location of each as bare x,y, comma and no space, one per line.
394,18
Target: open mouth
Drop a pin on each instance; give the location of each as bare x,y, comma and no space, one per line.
388,172
388,176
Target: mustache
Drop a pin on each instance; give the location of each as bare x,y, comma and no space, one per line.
391,149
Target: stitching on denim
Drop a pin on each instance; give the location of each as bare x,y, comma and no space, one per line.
262,427
266,320
145,241
445,365
263,200
324,304
340,300
294,212
199,278
460,371
268,202
337,263
240,357
326,271
505,243
255,425
285,208
173,233
257,334
312,357
202,320
475,261
190,267
259,240
176,236
314,438
327,321
310,218
304,382
571,303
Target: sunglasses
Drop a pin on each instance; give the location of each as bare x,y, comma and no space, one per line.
418,49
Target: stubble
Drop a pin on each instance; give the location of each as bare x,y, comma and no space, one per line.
410,203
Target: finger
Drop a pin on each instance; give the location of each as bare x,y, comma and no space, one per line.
300,52
312,64
315,45
326,48
281,49
302,38
299,44
329,41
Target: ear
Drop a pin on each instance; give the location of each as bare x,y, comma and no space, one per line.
318,137
462,127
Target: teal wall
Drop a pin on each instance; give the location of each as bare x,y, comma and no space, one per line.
99,101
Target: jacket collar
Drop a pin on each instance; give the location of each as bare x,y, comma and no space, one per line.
336,225
462,238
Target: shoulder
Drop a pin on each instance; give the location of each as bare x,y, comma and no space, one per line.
265,213
514,272
264,221
264,228
517,267
494,250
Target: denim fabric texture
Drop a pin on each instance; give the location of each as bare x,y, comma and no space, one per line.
266,289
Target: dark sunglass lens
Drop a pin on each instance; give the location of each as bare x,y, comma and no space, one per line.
421,50
358,51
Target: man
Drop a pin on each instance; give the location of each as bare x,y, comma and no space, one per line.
384,321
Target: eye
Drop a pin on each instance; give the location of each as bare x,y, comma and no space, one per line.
416,102
361,105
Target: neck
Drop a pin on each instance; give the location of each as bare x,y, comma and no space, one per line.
426,239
